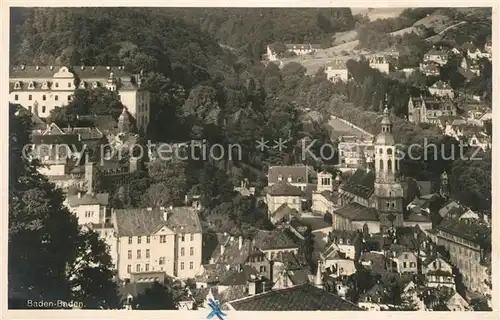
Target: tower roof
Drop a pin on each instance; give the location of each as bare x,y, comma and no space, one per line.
124,115
385,137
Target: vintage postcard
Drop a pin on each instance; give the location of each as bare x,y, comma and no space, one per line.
207,161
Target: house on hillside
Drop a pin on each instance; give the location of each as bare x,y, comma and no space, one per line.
299,49
470,65
441,89
430,69
380,62
337,71
436,55
281,194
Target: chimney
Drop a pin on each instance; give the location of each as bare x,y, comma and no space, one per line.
51,67
170,208
149,209
165,215
82,67
240,242
79,195
93,67
22,67
186,200
37,67
221,249
318,280
108,68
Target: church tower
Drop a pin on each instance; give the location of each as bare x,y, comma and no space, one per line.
388,191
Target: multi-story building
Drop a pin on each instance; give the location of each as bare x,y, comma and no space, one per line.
380,63
460,238
438,56
429,109
283,193
298,49
167,240
442,89
41,89
430,69
299,176
337,71
89,207
354,151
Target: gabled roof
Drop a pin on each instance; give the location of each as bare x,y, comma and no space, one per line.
270,240
441,85
88,199
284,189
298,173
361,183
356,212
463,229
304,297
143,222
238,277
284,211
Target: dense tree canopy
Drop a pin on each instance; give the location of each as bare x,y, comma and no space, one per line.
50,256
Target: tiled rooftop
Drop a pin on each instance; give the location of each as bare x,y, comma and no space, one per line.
356,212
298,173
88,199
284,189
271,240
304,297
139,222
361,183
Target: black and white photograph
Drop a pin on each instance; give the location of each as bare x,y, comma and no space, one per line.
210,160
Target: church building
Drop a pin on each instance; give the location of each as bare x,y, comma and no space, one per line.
376,194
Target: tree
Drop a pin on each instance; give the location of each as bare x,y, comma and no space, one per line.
45,240
158,297
169,183
98,101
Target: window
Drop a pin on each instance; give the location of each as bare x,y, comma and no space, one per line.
16,97
57,84
163,239
389,151
130,254
191,251
56,97
69,97
182,265
412,264
30,97
129,268
161,260
44,97
262,269
147,253
148,239
31,85
389,164
380,150
146,268
17,85
381,164
191,237
191,265
43,109
69,84
404,264
129,240
137,267
183,237
139,240
182,252
138,254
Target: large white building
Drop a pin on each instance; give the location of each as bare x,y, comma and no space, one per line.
41,89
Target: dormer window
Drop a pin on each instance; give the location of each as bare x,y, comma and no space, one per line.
45,85
95,84
17,85
280,178
31,85
82,85
289,178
